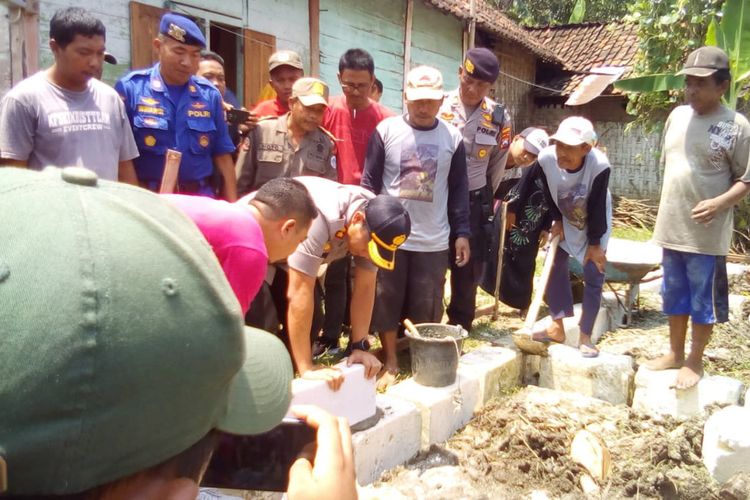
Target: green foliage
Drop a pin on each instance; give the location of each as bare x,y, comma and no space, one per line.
668,30
579,12
554,12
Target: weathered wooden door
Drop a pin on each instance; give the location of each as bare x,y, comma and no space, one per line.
144,26
258,48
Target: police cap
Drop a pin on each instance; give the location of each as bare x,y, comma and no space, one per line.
482,64
182,29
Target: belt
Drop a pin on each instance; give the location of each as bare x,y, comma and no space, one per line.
181,187
477,194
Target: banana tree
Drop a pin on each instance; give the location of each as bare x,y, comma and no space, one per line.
732,35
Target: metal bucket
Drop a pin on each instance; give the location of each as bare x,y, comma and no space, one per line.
435,352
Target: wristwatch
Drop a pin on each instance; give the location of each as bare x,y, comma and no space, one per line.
362,345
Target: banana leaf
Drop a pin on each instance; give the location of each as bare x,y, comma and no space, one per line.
734,37
579,12
651,83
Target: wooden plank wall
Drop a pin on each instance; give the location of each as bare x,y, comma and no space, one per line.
518,61
287,20
377,27
5,62
437,41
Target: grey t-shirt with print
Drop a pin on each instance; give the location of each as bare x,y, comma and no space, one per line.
703,156
572,193
47,125
417,167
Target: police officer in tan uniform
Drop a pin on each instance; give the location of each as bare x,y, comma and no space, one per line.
291,145
486,129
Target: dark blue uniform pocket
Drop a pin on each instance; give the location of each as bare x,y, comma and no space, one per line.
202,135
151,134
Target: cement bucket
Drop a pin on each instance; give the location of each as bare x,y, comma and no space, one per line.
435,352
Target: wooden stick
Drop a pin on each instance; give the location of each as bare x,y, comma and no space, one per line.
536,303
171,171
410,326
500,253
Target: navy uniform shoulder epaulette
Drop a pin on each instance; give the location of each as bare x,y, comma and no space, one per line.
137,73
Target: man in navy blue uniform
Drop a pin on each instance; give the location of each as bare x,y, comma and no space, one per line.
171,108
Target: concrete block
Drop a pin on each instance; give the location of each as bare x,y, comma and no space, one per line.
655,394
495,368
444,409
726,442
736,303
354,400
608,377
532,366
393,440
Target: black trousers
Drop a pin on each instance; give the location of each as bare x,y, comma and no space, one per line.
268,311
338,293
464,279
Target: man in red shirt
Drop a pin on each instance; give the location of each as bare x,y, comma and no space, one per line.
285,67
351,118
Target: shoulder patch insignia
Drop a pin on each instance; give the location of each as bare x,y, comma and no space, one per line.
340,234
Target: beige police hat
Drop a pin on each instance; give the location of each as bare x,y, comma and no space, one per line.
310,91
285,58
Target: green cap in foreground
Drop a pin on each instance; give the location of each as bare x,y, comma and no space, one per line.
121,342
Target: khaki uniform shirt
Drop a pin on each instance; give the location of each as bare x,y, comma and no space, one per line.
486,143
270,154
327,240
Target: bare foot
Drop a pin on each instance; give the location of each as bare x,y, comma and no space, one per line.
664,362
689,374
386,379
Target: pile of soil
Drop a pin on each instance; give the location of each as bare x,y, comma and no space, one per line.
521,444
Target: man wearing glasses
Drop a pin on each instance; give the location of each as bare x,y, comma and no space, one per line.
351,118
486,129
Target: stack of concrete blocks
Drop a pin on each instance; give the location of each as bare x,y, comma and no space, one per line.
656,395
415,416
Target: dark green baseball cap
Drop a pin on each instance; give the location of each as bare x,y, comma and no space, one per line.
121,342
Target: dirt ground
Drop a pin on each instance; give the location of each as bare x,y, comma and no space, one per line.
518,446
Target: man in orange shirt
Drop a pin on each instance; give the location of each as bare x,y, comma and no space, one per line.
285,67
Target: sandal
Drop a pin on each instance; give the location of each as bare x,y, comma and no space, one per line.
588,350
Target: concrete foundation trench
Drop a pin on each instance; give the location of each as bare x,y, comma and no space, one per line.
505,429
